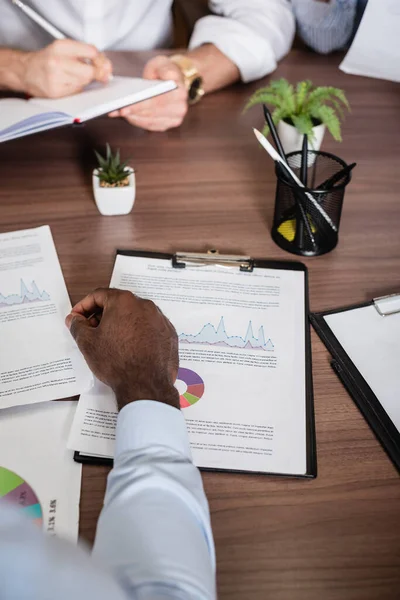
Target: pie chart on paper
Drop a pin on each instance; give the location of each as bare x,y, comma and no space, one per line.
16,490
190,386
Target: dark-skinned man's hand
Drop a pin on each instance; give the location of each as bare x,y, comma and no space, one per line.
128,344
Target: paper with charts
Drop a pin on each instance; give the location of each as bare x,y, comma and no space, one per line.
37,472
38,358
242,364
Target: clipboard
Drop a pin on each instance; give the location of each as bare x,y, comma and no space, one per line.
359,390
180,260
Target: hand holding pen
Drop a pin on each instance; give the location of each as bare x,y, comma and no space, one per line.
63,68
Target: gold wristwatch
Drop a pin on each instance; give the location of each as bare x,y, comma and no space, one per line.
193,79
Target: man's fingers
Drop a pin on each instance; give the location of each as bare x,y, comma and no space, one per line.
161,67
170,71
173,104
151,69
82,72
74,49
93,302
154,124
103,68
78,325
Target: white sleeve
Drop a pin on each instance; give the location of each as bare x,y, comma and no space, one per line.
254,34
36,566
154,532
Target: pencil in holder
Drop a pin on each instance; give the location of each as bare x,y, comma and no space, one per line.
306,220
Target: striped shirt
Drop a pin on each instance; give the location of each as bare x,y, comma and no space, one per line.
326,27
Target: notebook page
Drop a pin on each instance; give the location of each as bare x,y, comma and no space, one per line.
373,344
98,98
19,117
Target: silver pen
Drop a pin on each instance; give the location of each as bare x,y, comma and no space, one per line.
53,31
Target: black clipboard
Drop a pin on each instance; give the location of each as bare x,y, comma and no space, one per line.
359,390
246,264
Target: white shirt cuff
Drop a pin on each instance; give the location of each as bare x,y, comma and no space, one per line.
147,423
253,57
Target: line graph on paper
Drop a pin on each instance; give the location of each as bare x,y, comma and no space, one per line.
27,294
218,336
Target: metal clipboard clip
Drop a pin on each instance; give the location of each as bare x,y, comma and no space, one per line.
193,259
387,305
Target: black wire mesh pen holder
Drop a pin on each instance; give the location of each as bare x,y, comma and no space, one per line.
306,220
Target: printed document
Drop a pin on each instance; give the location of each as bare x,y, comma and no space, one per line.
375,51
38,358
37,472
242,364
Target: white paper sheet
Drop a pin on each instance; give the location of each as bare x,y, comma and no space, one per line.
375,51
241,354
38,358
98,98
373,344
33,447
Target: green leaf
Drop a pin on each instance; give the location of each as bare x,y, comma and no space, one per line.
112,170
264,98
322,95
100,159
328,117
285,91
303,124
302,89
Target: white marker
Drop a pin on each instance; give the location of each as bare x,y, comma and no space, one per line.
277,158
53,31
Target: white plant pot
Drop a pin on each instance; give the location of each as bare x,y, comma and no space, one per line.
292,139
113,201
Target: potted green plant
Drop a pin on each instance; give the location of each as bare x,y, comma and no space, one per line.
304,109
113,184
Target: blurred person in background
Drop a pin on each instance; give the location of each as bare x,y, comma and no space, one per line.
328,25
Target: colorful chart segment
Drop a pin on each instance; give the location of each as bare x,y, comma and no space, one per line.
195,387
15,490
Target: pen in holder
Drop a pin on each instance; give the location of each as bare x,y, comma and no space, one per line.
307,219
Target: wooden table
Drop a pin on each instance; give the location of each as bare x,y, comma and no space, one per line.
208,184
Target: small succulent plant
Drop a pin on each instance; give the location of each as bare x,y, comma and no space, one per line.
111,171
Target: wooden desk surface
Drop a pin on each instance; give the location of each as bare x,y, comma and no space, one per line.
208,184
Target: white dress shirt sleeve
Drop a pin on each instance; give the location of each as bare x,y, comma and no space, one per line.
253,34
154,531
154,539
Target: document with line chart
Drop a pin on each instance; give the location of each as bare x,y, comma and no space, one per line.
242,375
38,359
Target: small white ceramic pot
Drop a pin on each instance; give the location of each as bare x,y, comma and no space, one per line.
292,139
113,201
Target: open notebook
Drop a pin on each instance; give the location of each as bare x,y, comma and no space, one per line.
23,117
